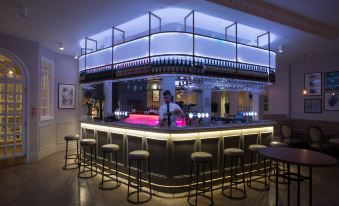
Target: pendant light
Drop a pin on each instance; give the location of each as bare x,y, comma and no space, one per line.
304,91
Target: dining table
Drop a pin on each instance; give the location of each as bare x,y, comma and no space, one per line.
300,158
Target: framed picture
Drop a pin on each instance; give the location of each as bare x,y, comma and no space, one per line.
331,101
312,105
331,81
312,84
156,95
66,96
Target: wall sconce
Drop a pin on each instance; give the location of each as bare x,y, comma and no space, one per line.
304,92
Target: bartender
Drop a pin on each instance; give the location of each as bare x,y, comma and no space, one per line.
168,112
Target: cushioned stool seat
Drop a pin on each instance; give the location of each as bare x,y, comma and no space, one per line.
110,173
278,144
256,147
201,156
75,156
88,163
139,154
234,152
71,137
110,147
88,142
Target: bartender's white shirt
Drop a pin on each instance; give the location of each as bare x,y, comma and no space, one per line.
172,108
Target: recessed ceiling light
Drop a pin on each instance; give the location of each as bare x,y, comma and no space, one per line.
75,57
281,49
61,47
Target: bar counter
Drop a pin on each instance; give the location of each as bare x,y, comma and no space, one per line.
170,148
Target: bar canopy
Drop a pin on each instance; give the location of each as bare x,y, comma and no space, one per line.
178,41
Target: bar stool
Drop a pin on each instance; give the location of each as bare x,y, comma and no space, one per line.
75,156
284,168
254,150
139,156
234,154
91,143
110,149
200,158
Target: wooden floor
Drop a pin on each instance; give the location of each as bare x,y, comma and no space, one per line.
45,183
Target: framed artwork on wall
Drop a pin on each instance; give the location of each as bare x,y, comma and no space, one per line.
66,96
312,105
331,81
331,101
155,95
312,84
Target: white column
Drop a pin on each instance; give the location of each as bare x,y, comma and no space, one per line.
167,83
234,103
258,105
108,98
204,103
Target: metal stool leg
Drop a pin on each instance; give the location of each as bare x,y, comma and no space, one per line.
129,177
234,180
149,177
197,180
260,175
66,154
103,170
138,186
189,187
211,179
243,174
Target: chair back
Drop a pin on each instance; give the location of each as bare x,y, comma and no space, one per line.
286,131
315,133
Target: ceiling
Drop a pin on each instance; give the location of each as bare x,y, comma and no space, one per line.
69,21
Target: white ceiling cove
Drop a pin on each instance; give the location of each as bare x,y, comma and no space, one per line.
69,21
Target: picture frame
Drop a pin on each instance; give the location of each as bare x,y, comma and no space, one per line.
313,84
66,96
156,95
331,81
312,105
331,101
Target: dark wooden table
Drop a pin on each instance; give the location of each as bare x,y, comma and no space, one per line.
299,157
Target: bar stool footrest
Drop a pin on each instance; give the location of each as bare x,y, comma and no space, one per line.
199,195
226,188
146,193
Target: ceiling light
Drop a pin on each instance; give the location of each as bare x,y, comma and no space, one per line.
281,49
75,57
24,11
61,47
10,74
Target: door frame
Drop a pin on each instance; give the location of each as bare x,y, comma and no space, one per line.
25,97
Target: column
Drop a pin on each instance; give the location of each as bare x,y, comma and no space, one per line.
108,99
258,105
204,102
234,103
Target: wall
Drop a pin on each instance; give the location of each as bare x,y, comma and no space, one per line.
43,138
65,121
279,97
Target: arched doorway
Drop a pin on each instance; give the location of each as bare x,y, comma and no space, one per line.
12,116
